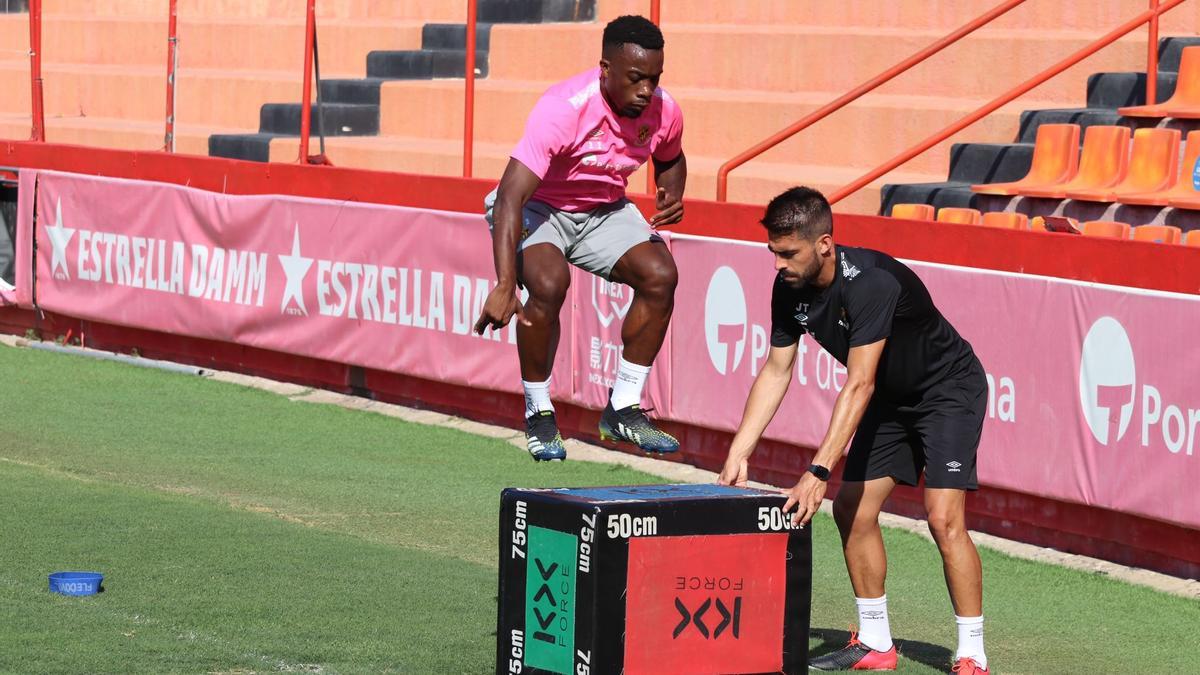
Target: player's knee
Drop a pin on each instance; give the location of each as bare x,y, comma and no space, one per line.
547,293
945,526
659,283
843,514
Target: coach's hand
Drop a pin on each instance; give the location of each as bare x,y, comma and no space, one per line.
735,471
806,496
670,209
501,304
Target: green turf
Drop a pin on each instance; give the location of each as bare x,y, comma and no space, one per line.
240,531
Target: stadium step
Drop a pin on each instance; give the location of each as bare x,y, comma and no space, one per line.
989,162
352,106
14,6
939,195
424,64
330,119
1115,90
1084,117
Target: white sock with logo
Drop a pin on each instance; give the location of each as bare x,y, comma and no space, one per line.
537,397
627,390
873,628
970,639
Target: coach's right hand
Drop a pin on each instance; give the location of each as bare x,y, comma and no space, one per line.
735,471
501,304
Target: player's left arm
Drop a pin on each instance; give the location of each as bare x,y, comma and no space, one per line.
861,365
670,167
671,178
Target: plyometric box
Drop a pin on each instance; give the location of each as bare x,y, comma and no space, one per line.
651,579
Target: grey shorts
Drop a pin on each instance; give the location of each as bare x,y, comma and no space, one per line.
591,240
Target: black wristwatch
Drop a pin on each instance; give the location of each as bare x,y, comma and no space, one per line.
821,472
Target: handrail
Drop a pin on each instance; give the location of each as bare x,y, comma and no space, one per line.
310,29
172,66
1152,58
469,93
655,18
856,93
35,71
994,104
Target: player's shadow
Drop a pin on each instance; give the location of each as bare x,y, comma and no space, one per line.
934,656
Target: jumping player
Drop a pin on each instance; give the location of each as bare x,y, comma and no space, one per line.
562,200
914,401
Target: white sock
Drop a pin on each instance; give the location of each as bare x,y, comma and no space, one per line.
627,390
970,639
537,397
873,628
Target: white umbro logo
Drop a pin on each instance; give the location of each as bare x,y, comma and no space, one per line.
955,466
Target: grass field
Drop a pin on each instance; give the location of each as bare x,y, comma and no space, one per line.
240,531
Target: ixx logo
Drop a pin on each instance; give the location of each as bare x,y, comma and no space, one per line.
730,619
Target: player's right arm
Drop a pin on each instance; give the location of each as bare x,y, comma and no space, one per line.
765,396
517,186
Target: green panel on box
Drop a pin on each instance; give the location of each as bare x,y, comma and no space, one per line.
550,600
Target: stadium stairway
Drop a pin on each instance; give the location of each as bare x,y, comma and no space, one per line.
740,70
976,163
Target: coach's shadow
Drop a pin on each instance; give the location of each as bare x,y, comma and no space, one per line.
934,656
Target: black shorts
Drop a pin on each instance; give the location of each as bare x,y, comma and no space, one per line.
938,436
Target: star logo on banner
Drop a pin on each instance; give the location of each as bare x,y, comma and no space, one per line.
60,237
295,267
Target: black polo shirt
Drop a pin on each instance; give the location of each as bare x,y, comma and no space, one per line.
874,296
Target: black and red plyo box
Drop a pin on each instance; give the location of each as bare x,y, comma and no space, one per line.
651,579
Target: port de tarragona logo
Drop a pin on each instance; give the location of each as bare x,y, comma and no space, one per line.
725,320
1107,380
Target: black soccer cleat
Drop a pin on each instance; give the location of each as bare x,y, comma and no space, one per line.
542,437
632,425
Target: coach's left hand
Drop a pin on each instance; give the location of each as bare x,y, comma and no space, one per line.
806,496
670,209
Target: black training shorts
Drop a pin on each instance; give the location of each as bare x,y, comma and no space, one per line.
939,436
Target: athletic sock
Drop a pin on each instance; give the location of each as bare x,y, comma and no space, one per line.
873,628
627,390
970,639
537,397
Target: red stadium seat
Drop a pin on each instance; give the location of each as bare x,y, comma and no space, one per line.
1159,234
1103,162
962,216
1055,161
912,211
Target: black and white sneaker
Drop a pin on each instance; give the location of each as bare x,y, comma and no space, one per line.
542,437
632,425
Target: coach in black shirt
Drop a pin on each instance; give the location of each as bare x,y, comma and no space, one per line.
914,401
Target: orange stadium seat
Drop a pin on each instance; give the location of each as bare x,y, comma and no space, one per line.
912,211
954,214
1153,166
1055,161
1185,102
1105,228
1192,239
1102,163
1008,221
1183,188
1159,234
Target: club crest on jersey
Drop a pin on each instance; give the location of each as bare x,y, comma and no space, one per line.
643,134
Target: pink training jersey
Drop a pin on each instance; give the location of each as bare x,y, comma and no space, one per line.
584,152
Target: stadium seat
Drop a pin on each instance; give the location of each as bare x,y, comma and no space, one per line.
1185,102
1038,224
1105,228
1153,166
1008,221
1055,161
1192,239
1103,162
913,211
962,216
1183,188
1159,234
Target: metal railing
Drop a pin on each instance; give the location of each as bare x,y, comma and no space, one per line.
1150,17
